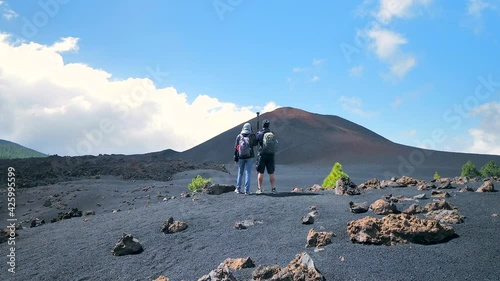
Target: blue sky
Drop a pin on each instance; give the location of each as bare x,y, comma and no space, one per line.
409,70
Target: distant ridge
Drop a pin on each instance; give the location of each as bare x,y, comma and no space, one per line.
310,138
11,150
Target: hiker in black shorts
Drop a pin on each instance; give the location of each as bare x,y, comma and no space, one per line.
265,160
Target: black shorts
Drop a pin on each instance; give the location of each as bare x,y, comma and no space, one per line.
265,162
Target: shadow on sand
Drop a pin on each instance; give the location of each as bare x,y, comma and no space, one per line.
287,194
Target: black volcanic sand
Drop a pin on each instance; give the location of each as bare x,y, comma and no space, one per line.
75,249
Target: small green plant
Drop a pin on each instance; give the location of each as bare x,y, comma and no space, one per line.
490,169
436,176
336,173
198,183
469,170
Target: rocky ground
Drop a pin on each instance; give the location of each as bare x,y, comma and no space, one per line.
394,229
54,169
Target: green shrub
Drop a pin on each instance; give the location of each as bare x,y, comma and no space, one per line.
490,169
469,170
336,173
198,183
436,176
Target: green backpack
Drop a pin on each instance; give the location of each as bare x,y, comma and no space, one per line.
269,143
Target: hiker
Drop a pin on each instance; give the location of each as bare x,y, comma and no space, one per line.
265,159
243,155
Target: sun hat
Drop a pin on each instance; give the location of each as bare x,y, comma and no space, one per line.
247,128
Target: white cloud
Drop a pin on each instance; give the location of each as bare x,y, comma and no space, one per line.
297,69
65,45
486,137
7,13
389,9
401,66
356,71
386,45
270,106
476,7
354,105
385,42
73,108
315,79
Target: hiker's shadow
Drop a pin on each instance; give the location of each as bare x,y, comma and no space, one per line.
289,194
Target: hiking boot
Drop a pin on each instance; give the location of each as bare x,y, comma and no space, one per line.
259,191
273,190
247,193
237,191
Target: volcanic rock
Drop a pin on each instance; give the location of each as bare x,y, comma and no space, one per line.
301,268
240,225
420,196
307,219
297,190
359,208
389,183
425,186
37,222
219,274
262,273
440,194
318,239
345,186
162,278
398,229
445,216
399,198
439,205
414,209
466,189
487,186
90,213
445,185
127,245
313,213
5,235
74,213
185,195
382,207
171,226
218,189
407,181
371,184
315,187
237,264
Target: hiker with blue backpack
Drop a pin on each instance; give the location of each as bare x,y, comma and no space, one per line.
243,156
268,144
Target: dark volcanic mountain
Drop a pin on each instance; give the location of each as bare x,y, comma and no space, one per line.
308,138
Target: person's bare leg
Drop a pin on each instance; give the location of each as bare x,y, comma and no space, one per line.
260,178
273,180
